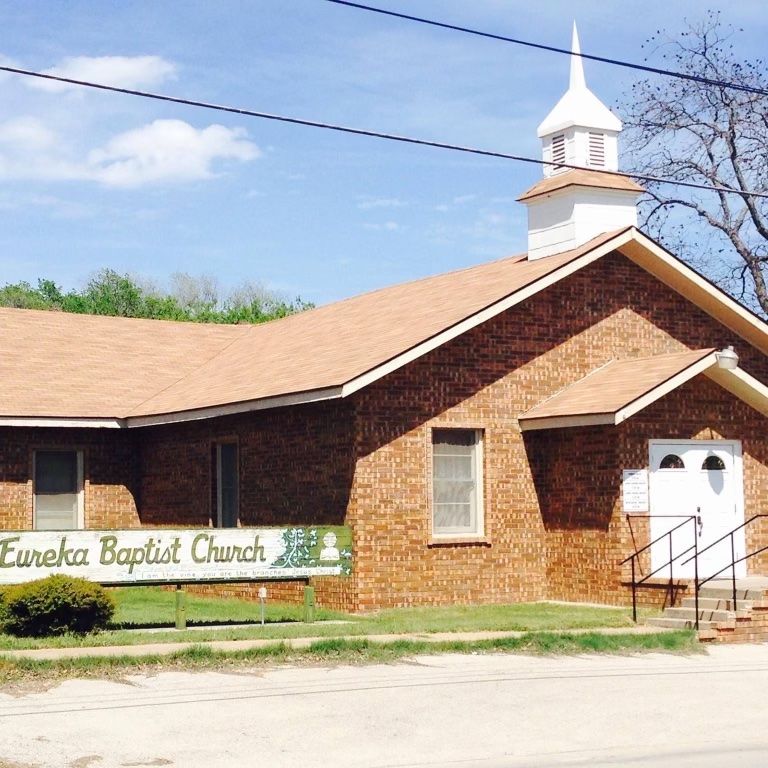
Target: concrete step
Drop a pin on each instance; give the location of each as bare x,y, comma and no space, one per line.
725,593
704,615
674,623
716,604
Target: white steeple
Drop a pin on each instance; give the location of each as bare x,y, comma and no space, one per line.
578,106
570,207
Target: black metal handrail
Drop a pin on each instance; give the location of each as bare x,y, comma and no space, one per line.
635,557
732,565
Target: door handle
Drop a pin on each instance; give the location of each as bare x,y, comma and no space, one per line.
699,521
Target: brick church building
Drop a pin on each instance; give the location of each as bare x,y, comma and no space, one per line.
477,430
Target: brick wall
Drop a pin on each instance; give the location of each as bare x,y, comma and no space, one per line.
553,523
558,537
110,471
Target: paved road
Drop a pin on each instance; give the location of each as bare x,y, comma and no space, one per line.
453,711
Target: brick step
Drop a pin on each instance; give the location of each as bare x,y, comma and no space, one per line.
673,623
704,615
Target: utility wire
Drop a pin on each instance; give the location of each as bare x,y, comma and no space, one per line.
372,134
554,49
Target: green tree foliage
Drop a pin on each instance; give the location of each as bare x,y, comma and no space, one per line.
195,299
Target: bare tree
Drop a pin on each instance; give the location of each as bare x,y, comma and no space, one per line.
709,134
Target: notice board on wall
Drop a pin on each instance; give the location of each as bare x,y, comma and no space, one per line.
634,490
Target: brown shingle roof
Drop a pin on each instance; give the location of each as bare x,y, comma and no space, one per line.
580,178
54,364
615,386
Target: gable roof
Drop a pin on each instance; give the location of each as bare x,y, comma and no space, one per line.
618,390
62,369
615,391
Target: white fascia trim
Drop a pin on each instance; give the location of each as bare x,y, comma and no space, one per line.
739,383
486,314
666,387
562,422
313,396
717,297
55,421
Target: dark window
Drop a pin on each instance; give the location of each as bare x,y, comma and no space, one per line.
227,485
713,462
57,490
671,461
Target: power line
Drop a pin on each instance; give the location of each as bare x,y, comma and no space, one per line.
370,133
554,49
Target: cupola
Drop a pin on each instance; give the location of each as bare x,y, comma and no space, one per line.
571,206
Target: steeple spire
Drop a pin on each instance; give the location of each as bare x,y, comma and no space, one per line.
573,204
577,63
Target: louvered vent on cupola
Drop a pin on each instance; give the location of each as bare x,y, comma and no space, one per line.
558,151
596,153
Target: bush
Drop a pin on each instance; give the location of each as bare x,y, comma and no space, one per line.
54,606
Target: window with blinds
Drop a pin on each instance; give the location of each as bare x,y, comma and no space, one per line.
456,482
597,150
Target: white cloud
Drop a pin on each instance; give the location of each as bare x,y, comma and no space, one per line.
168,151
387,226
162,152
120,71
26,134
381,202
29,149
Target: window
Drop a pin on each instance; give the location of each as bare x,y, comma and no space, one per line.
457,482
713,462
227,486
57,488
672,461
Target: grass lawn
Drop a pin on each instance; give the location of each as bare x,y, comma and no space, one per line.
141,608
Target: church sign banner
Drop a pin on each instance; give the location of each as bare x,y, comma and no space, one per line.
162,555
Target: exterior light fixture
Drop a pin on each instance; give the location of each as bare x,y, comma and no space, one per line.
727,359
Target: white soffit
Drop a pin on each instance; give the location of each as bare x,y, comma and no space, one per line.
739,383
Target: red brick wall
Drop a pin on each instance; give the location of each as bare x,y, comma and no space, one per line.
110,471
295,467
553,524
543,537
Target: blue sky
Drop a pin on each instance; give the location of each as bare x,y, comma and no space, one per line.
91,180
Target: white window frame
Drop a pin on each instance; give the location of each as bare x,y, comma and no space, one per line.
218,520
478,531
80,483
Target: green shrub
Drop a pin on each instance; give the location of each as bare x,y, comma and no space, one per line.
3,609
55,605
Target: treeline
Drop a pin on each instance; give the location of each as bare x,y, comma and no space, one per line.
197,299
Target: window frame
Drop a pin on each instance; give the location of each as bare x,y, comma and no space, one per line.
477,533
80,482
216,518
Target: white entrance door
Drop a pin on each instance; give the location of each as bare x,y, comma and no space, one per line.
703,478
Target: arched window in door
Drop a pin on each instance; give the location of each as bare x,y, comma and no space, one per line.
672,461
713,462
